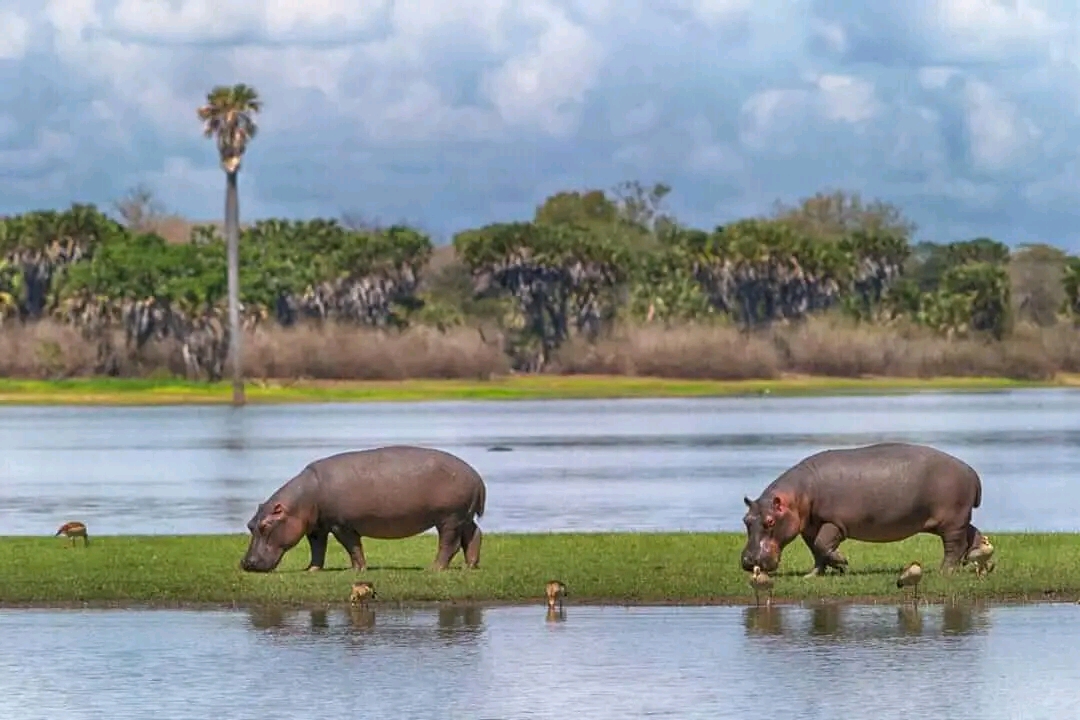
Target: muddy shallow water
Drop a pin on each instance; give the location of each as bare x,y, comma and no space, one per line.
572,465
824,661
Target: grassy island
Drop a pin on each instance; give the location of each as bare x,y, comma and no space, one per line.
621,568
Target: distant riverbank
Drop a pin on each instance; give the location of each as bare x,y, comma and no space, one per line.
110,391
624,568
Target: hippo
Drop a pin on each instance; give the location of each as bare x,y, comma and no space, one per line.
885,492
388,492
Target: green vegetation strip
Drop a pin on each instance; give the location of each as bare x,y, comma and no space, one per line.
616,568
101,391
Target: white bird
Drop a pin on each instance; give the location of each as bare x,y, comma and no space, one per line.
980,555
761,581
910,577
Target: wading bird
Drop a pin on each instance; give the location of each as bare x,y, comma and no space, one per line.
361,591
981,556
73,530
910,577
761,582
555,592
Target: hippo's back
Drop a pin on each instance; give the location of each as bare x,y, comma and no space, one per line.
895,467
399,480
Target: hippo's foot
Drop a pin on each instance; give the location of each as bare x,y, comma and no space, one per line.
314,568
819,570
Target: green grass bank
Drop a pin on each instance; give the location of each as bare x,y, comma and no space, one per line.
630,568
110,391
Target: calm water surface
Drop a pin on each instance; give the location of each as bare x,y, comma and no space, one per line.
825,662
574,465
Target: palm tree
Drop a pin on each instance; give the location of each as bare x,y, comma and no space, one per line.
229,114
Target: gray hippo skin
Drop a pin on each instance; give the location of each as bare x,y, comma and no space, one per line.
389,492
877,493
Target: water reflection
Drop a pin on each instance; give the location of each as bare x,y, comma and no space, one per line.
361,618
460,621
451,624
881,661
554,615
833,622
909,620
590,465
763,619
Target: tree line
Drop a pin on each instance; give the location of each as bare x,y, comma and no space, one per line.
585,262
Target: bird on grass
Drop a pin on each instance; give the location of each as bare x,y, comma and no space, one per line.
761,582
981,556
73,530
361,591
555,591
910,577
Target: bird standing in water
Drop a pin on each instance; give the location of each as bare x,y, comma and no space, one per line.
361,591
73,530
761,582
910,577
981,555
555,591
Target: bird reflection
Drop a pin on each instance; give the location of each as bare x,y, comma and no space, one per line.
909,620
764,619
556,614
361,618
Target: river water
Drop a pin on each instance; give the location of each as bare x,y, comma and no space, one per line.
591,465
572,465
806,663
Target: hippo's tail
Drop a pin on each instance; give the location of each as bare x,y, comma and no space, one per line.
479,498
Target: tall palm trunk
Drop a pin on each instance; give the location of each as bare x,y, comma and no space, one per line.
232,242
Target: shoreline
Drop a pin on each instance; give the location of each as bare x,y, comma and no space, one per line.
1021,600
166,392
617,569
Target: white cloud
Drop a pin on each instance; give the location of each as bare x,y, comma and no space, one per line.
454,113
544,85
14,35
847,99
999,133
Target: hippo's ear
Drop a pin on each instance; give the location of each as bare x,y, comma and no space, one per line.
748,501
778,504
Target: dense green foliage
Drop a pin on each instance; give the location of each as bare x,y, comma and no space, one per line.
586,260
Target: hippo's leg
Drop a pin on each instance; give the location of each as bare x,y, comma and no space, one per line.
956,544
350,540
317,540
470,543
449,544
823,547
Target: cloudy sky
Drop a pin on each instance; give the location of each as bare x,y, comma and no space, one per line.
966,113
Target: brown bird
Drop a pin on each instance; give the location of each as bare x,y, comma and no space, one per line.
761,582
361,591
73,530
555,592
981,555
910,577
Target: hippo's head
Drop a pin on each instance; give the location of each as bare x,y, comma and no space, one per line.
771,523
274,530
